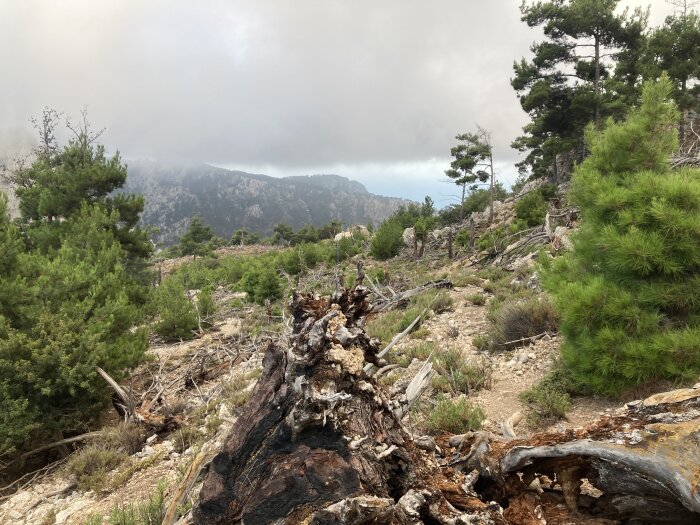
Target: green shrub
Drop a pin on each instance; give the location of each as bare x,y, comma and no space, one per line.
387,241
459,375
63,313
521,319
262,284
492,239
628,292
455,417
149,512
531,209
177,315
477,299
443,302
549,400
421,351
91,464
184,437
125,437
481,341
477,200
93,519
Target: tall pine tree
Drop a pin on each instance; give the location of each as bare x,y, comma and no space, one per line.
563,87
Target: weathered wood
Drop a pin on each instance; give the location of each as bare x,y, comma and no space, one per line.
318,442
369,368
398,298
200,461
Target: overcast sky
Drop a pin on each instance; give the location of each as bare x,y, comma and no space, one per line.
371,89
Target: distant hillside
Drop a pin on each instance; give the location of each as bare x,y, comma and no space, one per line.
229,200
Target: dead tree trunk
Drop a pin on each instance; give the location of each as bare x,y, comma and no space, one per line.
320,442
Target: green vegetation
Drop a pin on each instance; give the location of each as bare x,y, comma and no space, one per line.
151,511
91,464
454,416
387,325
477,200
388,239
549,400
71,292
459,375
180,315
673,48
568,83
477,299
199,239
517,319
473,157
627,293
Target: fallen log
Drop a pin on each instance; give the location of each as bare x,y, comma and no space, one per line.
639,465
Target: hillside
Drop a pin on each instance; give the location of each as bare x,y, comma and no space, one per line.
229,200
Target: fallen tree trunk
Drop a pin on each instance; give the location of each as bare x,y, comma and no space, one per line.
320,442
639,465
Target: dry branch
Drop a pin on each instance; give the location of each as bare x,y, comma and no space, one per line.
401,297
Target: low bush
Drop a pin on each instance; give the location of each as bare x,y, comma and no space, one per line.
126,437
177,315
459,375
456,416
531,209
442,302
387,241
481,341
520,319
183,438
492,239
477,299
422,351
91,464
548,400
149,512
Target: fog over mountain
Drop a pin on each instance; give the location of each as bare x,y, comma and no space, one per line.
229,200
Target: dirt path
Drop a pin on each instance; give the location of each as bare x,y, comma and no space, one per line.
514,371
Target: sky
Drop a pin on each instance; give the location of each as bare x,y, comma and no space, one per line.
374,90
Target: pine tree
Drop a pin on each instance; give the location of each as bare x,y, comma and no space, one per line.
629,293
675,49
563,87
60,180
74,309
468,166
195,241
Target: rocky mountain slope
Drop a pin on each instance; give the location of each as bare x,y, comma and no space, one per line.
229,200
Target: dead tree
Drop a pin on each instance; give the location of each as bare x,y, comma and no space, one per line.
320,442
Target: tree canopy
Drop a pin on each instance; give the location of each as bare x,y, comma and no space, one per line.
572,78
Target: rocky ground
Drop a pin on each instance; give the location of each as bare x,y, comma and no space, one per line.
55,498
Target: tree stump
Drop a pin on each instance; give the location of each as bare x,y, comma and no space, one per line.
320,442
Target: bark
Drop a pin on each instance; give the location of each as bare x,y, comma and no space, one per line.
320,442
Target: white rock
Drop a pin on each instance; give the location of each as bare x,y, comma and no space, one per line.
63,516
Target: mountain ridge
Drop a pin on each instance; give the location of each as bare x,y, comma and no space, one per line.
230,199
